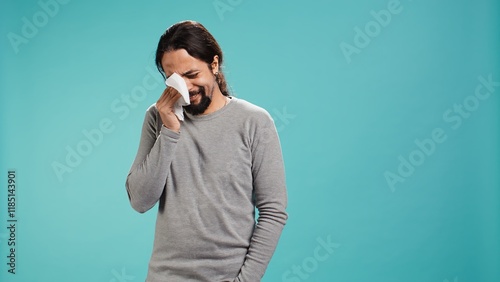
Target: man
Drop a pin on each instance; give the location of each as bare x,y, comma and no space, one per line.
208,172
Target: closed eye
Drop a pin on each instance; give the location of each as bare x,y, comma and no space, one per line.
191,75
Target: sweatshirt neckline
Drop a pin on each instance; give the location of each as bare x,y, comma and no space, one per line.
215,114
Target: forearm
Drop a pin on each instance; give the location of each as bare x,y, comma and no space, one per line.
263,243
147,176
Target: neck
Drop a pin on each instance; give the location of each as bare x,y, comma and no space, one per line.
218,102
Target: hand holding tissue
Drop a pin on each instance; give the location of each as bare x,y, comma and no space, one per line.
178,83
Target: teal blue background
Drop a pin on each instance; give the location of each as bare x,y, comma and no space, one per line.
347,125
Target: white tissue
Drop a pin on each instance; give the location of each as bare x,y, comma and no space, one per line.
177,82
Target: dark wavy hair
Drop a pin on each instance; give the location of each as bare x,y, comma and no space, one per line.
197,41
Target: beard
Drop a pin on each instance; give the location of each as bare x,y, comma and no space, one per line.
198,109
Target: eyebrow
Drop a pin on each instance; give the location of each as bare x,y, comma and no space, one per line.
189,72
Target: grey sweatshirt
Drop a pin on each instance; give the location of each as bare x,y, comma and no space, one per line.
209,178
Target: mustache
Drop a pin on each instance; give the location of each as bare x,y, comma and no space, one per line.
200,90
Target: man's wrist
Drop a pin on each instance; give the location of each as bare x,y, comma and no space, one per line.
169,131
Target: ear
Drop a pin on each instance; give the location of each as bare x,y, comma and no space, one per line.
215,65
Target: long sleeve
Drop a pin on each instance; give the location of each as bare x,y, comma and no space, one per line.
270,199
147,176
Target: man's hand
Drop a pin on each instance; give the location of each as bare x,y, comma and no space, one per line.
165,106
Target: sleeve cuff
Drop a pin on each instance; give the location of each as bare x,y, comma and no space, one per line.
169,133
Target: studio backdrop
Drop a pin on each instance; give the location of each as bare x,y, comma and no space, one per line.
387,112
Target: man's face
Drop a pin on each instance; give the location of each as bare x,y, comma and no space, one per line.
200,79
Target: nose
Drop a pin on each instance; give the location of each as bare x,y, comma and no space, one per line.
188,84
